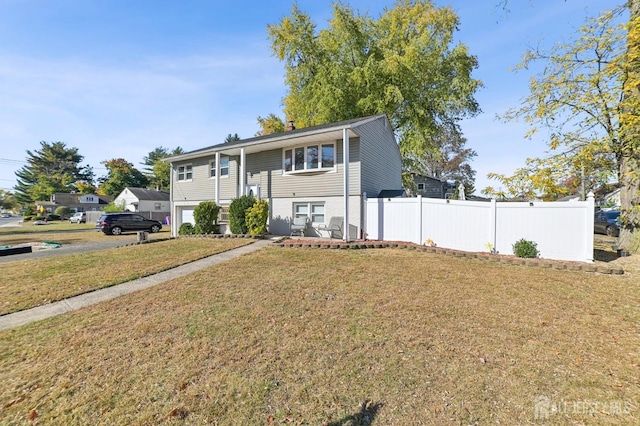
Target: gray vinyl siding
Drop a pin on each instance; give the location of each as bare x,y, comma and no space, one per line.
381,162
202,187
266,168
229,184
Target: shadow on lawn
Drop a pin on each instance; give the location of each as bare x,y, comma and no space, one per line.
604,255
366,415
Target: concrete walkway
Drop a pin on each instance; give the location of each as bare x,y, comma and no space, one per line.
87,299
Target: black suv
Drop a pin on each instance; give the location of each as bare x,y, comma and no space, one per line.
117,223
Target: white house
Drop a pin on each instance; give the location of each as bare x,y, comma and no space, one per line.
155,204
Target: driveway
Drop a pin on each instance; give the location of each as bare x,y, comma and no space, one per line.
107,243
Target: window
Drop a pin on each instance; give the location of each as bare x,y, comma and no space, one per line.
328,156
224,167
317,213
185,172
313,211
309,158
421,187
157,206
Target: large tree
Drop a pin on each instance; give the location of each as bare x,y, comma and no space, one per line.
53,168
403,64
270,124
121,174
7,200
156,170
630,119
587,99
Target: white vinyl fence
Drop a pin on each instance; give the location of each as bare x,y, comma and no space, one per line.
562,230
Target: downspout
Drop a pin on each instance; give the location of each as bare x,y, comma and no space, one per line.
345,163
174,209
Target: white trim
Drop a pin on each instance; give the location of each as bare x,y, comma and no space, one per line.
305,169
190,166
345,164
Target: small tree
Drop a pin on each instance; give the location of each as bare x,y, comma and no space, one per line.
237,213
206,216
256,218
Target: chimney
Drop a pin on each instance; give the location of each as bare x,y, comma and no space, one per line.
290,126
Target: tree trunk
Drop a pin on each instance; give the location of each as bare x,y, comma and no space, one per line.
629,240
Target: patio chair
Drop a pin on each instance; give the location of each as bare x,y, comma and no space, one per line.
298,226
334,228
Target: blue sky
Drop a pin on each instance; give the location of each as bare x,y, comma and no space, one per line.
118,78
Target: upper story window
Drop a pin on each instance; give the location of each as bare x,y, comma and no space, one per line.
309,158
224,167
421,187
185,172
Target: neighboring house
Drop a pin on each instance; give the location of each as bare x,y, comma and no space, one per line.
611,199
144,200
301,172
75,202
432,187
574,197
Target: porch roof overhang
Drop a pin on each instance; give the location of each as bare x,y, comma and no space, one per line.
266,143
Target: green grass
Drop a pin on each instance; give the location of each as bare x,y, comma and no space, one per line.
336,337
30,283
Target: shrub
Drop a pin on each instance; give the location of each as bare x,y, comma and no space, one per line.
206,217
113,208
256,218
63,212
238,213
53,217
525,248
186,229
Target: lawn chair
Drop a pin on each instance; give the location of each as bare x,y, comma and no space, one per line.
334,228
298,226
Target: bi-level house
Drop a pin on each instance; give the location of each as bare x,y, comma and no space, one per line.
316,172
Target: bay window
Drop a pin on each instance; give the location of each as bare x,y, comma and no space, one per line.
309,158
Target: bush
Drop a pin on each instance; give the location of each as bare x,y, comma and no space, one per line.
525,248
63,212
53,217
206,216
238,213
256,218
186,229
113,208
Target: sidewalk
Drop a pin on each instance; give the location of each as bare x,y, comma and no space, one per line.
87,299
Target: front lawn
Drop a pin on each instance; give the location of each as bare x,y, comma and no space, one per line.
336,337
33,282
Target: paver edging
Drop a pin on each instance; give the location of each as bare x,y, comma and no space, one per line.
509,260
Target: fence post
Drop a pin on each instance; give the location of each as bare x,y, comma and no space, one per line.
493,238
588,232
363,225
419,198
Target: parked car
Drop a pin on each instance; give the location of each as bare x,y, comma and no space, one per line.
607,222
80,217
117,223
5,215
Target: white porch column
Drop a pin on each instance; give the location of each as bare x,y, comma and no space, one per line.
345,164
217,193
242,172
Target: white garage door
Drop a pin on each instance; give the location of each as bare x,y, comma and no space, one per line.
187,216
